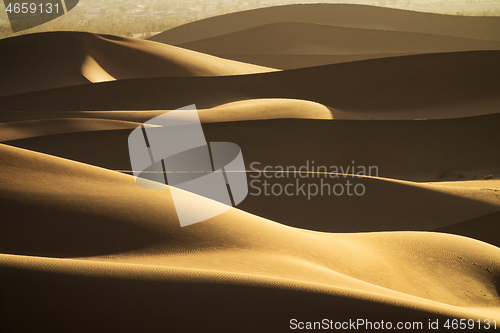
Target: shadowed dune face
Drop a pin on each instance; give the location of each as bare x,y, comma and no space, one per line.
342,15
245,110
305,35
428,145
485,228
391,85
52,60
391,205
35,128
282,40
161,60
314,39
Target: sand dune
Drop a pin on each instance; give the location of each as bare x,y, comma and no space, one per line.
342,15
391,205
59,59
295,61
293,142
406,206
258,109
429,146
313,39
306,35
35,128
134,237
421,86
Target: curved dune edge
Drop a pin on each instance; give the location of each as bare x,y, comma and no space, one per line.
391,204
244,110
300,35
36,128
296,61
75,58
296,141
139,227
162,60
265,109
316,39
420,83
343,15
262,109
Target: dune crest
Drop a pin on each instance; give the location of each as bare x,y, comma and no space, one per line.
35,128
419,86
244,110
341,15
313,42
60,59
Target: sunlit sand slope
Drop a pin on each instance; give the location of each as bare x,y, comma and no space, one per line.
313,144
432,149
255,109
131,258
34,128
445,85
58,59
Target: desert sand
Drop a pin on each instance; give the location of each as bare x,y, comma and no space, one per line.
83,248
60,59
426,86
124,240
308,42
318,34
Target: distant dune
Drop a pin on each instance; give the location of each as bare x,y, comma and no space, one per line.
59,59
342,15
294,61
35,128
412,87
253,109
429,146
306,35
307,39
